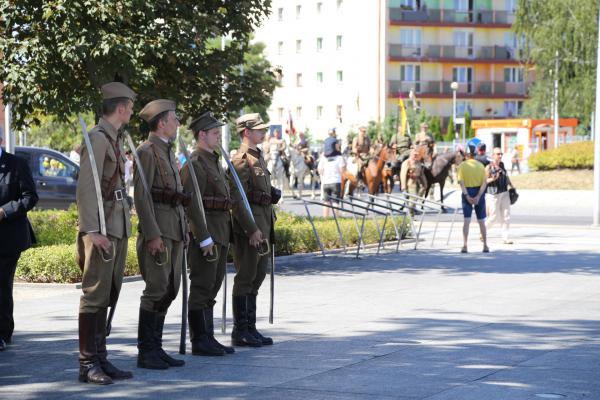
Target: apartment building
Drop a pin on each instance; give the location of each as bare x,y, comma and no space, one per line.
346,62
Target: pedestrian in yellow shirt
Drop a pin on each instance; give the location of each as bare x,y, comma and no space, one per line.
472,180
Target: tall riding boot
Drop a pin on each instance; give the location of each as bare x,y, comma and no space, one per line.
240,336
108,368
173,362
148,356
265,341
211,331
201,343
89,364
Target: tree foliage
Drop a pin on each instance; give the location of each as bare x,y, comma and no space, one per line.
569,27
57,54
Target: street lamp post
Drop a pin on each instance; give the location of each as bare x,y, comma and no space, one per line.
454,87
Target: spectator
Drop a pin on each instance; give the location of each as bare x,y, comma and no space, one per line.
514,159
17,197
330,144
481,156
471,177
128,171
331,169
74,154
499,200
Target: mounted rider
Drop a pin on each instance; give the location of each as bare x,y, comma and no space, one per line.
277,147
303,147
361,148
425,143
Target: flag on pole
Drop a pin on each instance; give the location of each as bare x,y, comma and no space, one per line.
290,130
403,118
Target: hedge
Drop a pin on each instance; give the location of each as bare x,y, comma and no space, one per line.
574,156
53,258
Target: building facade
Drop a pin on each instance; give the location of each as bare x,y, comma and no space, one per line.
346,62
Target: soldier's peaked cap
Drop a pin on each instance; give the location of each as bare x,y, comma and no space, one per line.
113,90
205,122
250,121
156,107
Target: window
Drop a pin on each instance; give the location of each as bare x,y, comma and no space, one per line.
408,4
463,42
411,39
280,48
411,74
280,14
299,80
338,42
319,112
510,5
461,5
463,75
319,77
463,107
298,46
319,44
319,7
52,166
338,112
339,4
298,112
339,76
298,11
513,75
513,108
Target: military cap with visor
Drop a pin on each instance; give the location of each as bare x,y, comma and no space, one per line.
205,122
114,90
156,107
250,121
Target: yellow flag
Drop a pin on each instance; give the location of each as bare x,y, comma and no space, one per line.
403,118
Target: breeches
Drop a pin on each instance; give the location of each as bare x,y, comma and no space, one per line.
162,281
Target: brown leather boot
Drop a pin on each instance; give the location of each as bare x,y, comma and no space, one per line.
89,363
108,367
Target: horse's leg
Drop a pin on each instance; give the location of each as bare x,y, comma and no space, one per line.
300,181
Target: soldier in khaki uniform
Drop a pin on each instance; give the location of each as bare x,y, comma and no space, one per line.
211,233
162,231
361,148
424,138
410,174
102,258
251,268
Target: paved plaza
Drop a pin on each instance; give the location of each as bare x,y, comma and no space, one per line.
521,322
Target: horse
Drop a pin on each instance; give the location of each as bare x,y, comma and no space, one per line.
373,174
440,168
349,177
277,169
298,171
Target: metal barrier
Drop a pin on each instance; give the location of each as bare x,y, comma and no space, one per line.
333,208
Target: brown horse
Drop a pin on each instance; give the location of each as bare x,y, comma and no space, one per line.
373,173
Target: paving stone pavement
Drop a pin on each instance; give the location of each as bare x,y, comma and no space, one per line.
518,323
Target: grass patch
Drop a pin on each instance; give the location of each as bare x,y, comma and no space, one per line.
559,179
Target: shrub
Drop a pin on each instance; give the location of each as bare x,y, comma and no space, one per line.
53,259
573,156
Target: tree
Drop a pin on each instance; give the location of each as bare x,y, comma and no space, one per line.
469,131
435,128
569,27
449,137
57,54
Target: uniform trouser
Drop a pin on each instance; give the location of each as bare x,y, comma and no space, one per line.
162,281
499,212
205,277
8,266
101,282
250,268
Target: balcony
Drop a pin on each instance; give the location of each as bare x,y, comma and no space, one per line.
441,89
450,17
489,54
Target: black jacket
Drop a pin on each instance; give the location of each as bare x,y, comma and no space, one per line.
17,196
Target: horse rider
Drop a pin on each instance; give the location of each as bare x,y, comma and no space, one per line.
361,147
425,139
278,146
402,143
303,148
410,173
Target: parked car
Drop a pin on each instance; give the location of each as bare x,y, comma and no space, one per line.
54,174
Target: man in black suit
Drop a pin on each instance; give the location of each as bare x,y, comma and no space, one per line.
17,196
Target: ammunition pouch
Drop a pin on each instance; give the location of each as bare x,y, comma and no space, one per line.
171,197
217,203
260,198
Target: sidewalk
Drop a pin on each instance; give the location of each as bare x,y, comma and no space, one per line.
518,323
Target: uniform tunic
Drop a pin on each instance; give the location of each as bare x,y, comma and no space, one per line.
250,267
206,276
101,281
159,219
